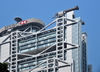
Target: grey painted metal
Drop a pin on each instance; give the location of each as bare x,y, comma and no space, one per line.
16,25
60,32
43,52
62,13
36,38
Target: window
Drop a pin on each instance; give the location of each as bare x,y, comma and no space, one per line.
14,34
59,51
59,40
13,41
59,24
59,55
32,48
50,70
13,59
27,42
50,65
60,28
13,52
40,38
59,32
45,41
24,50
13,63
53,43
59,20
41,46
13,48
35,29
14,37
13,55
52,39
51,60
60,36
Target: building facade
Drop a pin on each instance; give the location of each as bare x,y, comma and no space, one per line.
28,46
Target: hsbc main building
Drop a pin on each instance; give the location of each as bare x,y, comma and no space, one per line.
28,46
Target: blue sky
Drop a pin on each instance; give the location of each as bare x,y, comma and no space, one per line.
46,9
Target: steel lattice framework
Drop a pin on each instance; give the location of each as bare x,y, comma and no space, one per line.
53,63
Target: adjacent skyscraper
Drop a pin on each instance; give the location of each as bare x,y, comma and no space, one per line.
28,46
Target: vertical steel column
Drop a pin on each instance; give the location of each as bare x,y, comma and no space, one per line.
60,38
51,64
13,61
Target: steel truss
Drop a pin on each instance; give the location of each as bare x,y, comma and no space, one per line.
61,24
